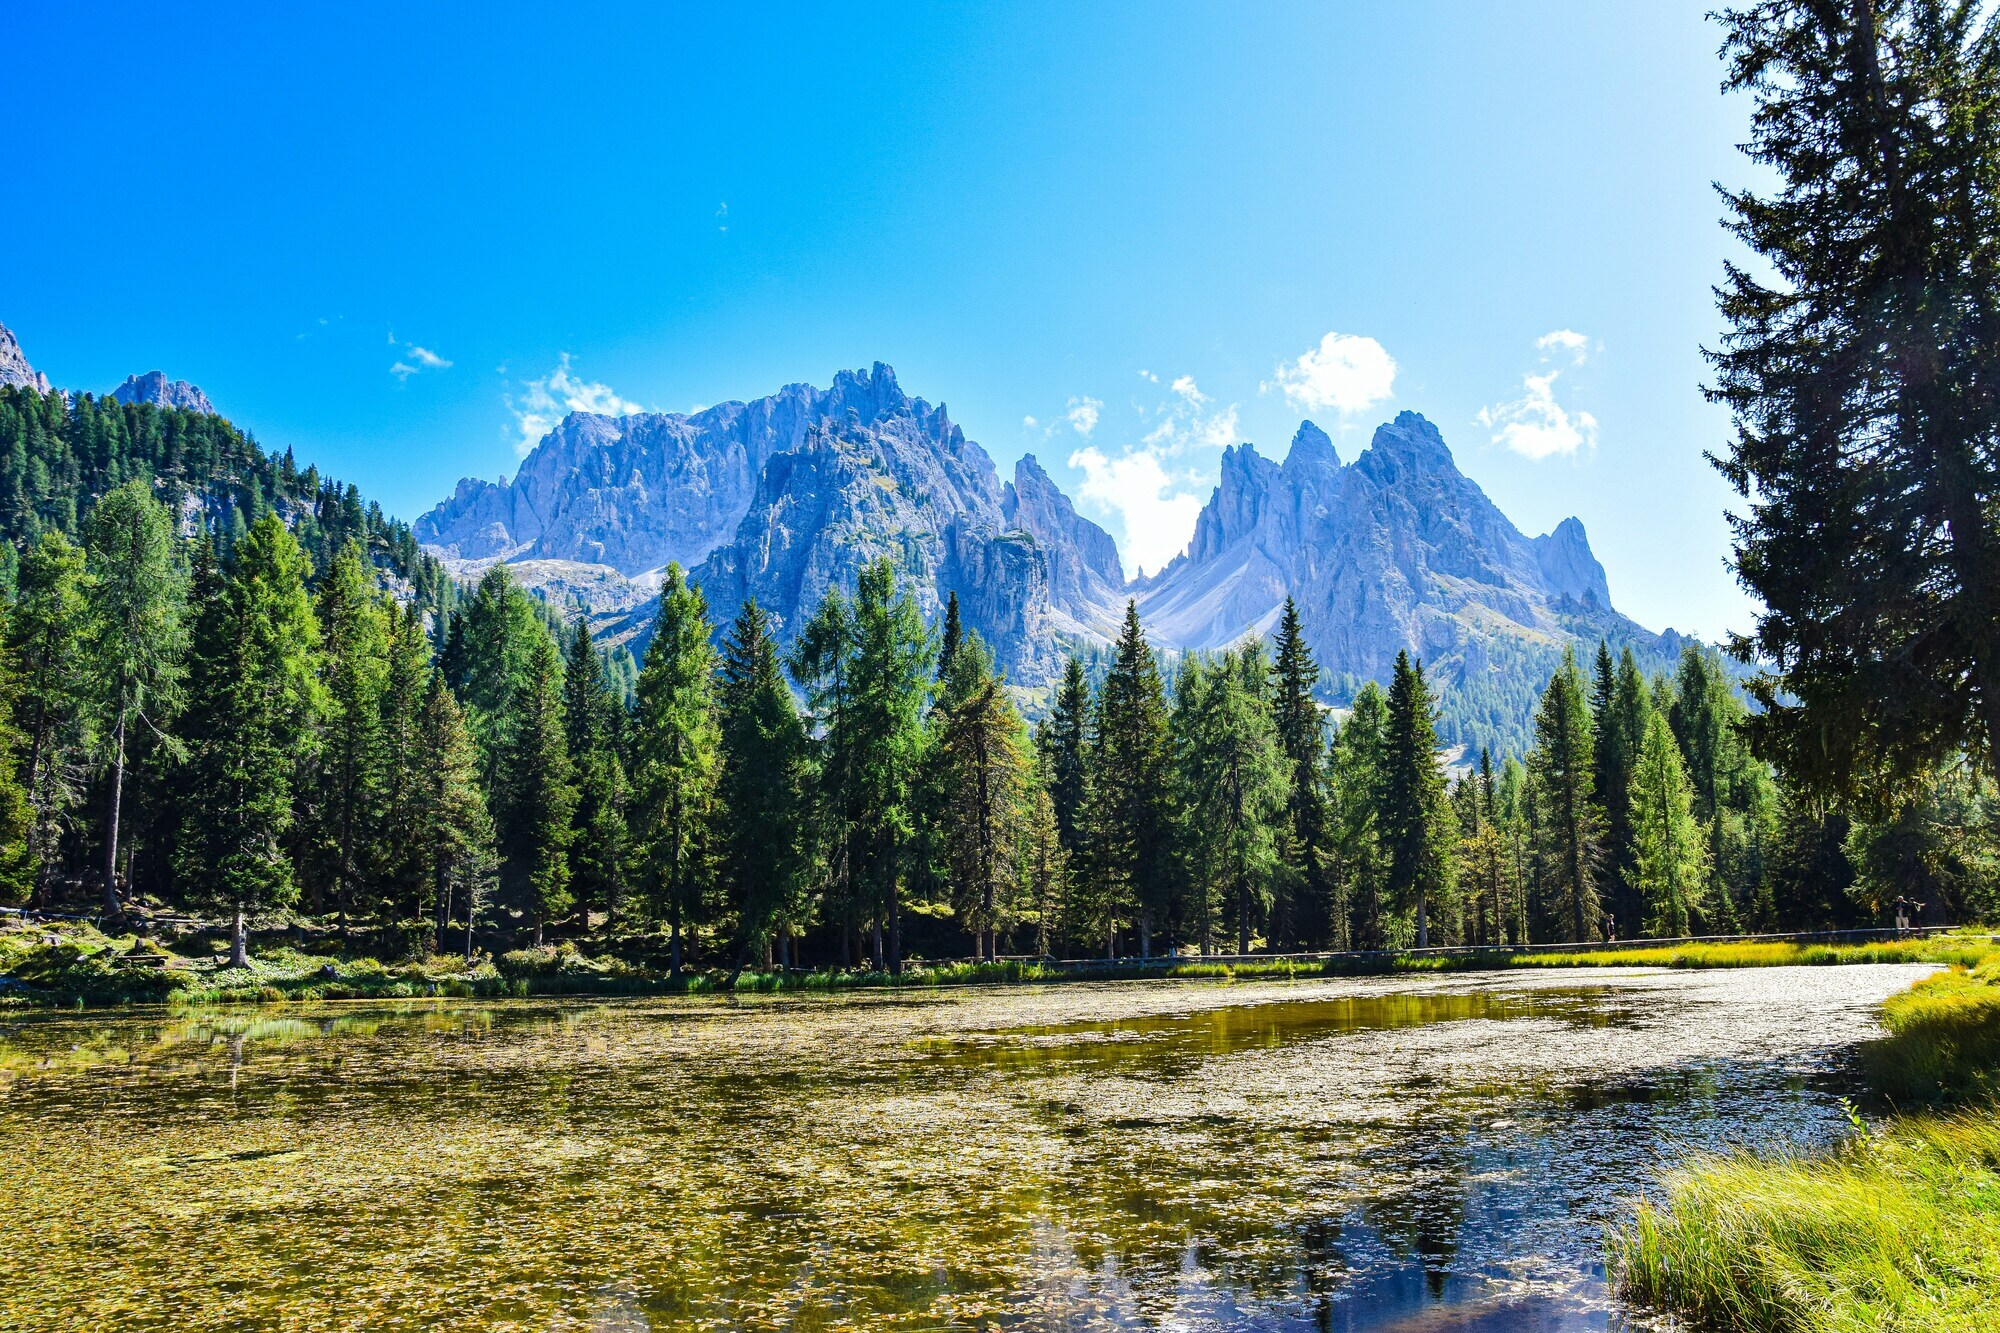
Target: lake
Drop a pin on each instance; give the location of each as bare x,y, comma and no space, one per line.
1355,1155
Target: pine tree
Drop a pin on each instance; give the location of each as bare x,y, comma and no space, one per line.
453,830
1044,861
406,764
981,759
1301,727
258,700
1130,821
1670,853
821,660
1358,761
1240,786
539,790
1862,367
1063,739
486,659
1564,789
45,635
1615,751
674,753
598,851
346,802
763,788
890,675
952,639
1483,855
133,638
1417,832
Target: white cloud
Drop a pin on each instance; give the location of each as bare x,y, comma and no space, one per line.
722,216
1082,415
423,357
1346,372
1184,386
544,402
1535,425
1029,423
1149,376
1188,421
1137,487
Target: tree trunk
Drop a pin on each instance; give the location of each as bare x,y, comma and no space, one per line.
895,931
1145,932
1423,922
112,907
538,928
1242,915
239,941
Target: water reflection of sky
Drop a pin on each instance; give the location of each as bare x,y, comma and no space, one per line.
1350,1157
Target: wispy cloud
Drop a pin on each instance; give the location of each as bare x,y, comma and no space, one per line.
419,360
1156,509
1346,373
1083,414
722,216
543,402
1536,425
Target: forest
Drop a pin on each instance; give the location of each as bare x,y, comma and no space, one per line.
232,690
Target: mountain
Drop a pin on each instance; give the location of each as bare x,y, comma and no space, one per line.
15,372
783,498
1397,550
173,395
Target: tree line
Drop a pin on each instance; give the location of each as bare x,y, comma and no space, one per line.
210,714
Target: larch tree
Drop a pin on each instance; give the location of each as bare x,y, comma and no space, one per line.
1670,853
675,750
257,703
133,639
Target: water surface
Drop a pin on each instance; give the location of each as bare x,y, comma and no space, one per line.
1355,1155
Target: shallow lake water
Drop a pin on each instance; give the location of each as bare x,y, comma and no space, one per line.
1353,1155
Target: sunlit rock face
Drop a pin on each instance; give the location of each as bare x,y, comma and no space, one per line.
173,395
15,372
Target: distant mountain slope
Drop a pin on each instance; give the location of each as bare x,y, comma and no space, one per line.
15,372
174,395
1397,551
785,497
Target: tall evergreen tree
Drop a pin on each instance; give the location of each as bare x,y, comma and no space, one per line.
590,725
350,774
1670,853
1301,728
258,699
1417,824
981,758
1044,860
1130,820
764,776
952,638
1615,751
1063,739
406,762
891,680
1357,763
1564,790
1862,367
822,660
674,753
538,790
134,638
45,636
1240,786
453,829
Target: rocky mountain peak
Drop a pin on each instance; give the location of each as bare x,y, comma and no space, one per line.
15,372
1572,570
1311,449
174,395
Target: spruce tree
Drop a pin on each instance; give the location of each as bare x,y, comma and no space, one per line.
1564,789
1044,861
19,869
452,827
952,638
590,724
133,639
1241,785
890,676
1862,366
764,776
406,761
45,636
254,718
1417,833
822,661
1301,728
674,754
1358,761
347,796
1063,739
1130,820
1615,750
538,789
980,756
1670,852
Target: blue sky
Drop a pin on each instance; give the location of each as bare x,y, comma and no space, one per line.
383,235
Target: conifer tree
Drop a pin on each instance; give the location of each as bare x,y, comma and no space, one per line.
1357,763
486,659
1130,821
1063,739
674,753
1514,811
539,786
1670,853
598,852
1044,860
258,699
45,634
1417,832
952,638
19,869
1240,786
1301,728
891,681
822,661
981,759
1615,749
763,782
1564,788
347,795
406,762
1483,856
133,638
452,827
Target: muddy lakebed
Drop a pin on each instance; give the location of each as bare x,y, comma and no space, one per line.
1405,1154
